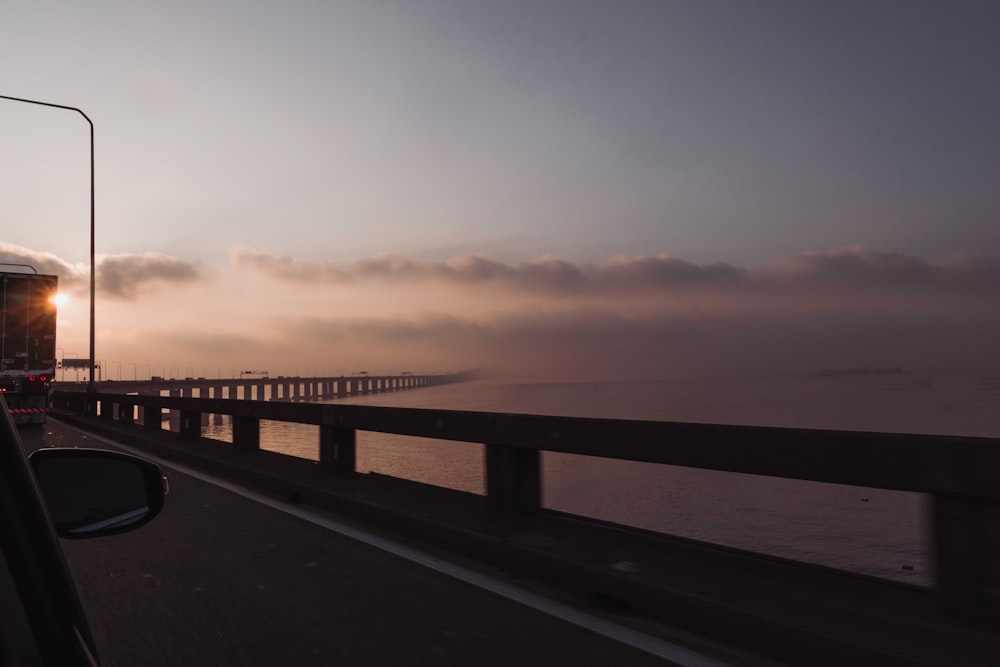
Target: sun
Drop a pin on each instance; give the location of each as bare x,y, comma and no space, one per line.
59,299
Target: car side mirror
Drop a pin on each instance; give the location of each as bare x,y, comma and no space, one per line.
94,492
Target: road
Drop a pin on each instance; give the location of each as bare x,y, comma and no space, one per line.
219,579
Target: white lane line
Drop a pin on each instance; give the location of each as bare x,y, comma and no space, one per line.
680,655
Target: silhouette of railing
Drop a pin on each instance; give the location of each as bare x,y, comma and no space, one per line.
960,474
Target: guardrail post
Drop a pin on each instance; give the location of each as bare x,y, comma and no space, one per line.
967,555
337,449
126,413
152,418
246,434
190,424
513,479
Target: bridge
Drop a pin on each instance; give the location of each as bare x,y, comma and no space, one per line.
279,388
738,607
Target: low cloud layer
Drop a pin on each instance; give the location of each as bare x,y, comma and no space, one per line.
546,274
126,276
659,316
847,267
627,317
119,277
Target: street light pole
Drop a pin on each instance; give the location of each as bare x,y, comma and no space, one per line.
93,279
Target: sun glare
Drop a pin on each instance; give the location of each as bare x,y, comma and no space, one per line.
59,299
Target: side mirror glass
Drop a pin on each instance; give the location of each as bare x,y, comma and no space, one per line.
93,492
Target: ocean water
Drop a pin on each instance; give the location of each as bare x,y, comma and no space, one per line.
876,532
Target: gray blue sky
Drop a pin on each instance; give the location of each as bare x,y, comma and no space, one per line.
668,187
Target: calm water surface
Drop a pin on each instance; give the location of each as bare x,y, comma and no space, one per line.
865,530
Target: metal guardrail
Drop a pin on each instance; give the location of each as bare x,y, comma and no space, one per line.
960,474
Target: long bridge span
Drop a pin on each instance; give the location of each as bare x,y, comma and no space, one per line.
278,388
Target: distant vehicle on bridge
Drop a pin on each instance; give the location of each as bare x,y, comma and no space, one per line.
27,343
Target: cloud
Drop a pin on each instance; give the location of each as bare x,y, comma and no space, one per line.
662,272
126,276
467,269
625,317
846,269
545,274
43,262
287,268
120,277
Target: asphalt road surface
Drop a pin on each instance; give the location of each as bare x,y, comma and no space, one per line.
218,579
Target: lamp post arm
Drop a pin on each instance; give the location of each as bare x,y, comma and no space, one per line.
49,104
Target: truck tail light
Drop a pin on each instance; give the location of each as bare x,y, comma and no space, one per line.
36,384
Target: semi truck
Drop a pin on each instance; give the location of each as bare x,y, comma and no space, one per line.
27,342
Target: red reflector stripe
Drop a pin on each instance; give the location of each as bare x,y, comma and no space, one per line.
27,411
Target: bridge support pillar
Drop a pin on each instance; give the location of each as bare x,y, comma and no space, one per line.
513,479
126,413
190,424
337,449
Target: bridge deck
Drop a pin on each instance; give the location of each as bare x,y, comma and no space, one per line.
790,612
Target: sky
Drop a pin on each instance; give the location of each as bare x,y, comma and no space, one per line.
549,189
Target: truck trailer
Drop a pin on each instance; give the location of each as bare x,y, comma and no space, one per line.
27,343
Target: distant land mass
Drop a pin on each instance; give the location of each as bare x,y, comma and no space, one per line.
891,370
